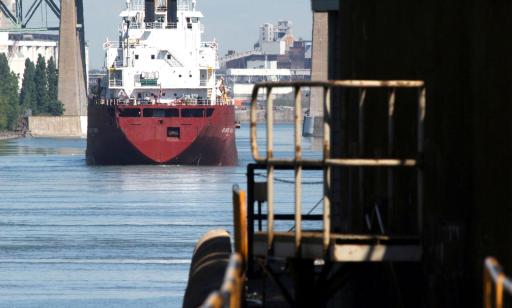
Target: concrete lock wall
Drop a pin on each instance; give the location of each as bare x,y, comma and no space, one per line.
280,116
65,126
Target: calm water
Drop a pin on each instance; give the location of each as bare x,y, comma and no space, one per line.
72,235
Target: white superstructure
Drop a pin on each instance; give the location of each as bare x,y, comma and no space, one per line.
159,57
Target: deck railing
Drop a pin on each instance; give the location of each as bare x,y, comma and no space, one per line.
154,25
496,284
115,82
172,25
327,162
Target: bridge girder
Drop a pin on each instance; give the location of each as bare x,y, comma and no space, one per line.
72,64
19,19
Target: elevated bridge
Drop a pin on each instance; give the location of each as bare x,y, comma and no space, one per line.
67,18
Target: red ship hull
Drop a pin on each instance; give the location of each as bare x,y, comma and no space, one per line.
161,134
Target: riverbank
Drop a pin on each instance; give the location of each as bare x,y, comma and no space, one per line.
7,135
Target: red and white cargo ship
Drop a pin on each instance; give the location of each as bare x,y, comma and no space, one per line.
161,102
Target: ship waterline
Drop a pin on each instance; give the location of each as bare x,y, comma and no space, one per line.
75,235
161,134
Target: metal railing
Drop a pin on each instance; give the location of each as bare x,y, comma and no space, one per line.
327,162
230,294
184,6
154,25
113,44
135,25
115,82
496,284
172,25
210,44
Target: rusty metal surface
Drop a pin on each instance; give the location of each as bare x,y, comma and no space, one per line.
327,162
240,222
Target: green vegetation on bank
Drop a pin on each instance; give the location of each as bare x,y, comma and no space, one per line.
9,99
39,89
38,94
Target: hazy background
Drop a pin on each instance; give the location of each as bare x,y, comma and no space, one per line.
233,23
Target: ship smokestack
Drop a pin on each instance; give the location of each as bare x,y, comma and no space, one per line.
150,11
172,11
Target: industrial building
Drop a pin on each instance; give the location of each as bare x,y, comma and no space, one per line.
21,46
276,56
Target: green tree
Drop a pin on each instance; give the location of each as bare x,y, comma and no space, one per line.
55,107
28,88
41,80
53,79
3,111
9,106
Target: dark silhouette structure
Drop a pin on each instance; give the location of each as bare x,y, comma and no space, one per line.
460,49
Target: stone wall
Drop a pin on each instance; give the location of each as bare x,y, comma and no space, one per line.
65,126
280,115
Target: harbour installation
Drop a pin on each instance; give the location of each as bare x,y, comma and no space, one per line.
161,102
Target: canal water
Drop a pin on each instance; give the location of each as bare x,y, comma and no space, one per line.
73,235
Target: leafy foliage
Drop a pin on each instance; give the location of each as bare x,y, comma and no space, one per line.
40,88
9,108
28,88
41,80
38,93
55,107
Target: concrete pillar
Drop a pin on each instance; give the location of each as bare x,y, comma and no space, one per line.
72,91
313,123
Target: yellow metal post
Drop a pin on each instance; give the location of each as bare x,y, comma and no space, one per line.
240,223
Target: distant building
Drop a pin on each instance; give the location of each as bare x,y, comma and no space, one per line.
11,6
267,33
283,28
20,46
275,39
276,56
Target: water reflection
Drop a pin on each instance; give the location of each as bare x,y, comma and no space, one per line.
42,146
112,236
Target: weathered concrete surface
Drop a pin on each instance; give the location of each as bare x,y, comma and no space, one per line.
280,115
319,69
65,126
72,90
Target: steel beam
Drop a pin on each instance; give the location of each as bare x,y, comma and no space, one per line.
7,12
